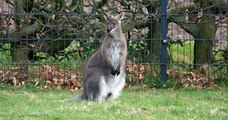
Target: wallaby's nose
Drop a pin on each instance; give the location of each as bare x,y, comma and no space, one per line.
108,30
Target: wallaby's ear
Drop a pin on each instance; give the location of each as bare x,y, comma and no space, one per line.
107,16
120,16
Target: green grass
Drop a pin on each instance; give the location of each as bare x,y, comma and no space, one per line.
160,104
183,53
5,56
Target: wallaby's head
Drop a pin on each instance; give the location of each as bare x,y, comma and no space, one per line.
113,23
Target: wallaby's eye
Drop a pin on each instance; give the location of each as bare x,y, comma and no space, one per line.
114,23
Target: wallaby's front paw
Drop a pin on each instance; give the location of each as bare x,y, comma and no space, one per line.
118,70
115,72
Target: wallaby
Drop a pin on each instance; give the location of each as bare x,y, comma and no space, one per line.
104,73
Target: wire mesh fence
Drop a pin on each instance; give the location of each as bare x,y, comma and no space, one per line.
47,43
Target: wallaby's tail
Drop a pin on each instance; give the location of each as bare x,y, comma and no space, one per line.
77,99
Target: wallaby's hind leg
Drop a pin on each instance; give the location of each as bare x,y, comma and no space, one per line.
114,93
96,88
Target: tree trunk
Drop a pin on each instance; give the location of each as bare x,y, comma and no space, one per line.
204,42
19,57
18,49
203,48
154,42
154,34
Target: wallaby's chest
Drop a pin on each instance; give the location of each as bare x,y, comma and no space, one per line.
115,48
115,45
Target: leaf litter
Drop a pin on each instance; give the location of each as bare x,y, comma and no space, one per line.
52,76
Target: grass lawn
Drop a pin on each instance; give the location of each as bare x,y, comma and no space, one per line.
182,104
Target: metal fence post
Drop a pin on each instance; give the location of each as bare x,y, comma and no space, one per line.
164,42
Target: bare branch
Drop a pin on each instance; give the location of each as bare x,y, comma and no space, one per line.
178,16
22,32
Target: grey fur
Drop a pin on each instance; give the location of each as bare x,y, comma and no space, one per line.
104,75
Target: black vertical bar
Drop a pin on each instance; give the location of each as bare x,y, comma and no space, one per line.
164,42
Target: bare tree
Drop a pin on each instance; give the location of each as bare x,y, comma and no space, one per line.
49,26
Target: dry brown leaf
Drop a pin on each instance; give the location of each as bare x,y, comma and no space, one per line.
193,75
14,81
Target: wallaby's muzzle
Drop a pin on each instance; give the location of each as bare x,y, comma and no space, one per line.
109,30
